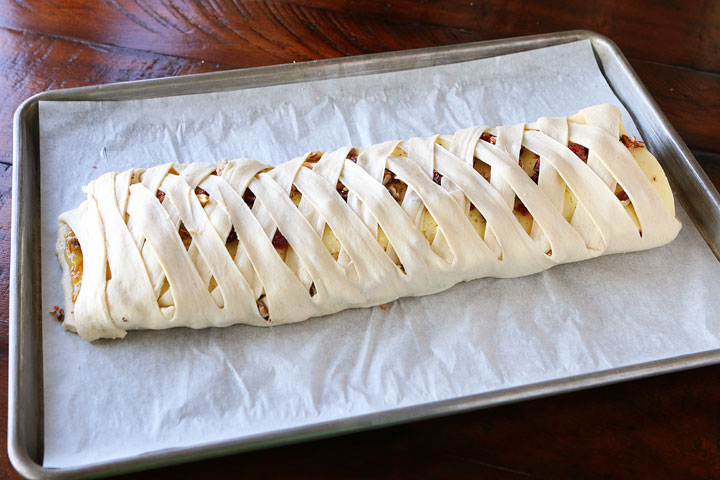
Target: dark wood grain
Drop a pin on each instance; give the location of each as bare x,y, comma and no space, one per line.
6,470
234,33
677,33
33,63
689,98
664,427
260,32
37,63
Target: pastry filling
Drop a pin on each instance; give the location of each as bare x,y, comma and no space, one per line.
262,307
580,151
74,259
528,161
631,142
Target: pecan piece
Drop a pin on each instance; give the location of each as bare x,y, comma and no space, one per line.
202,195
342,190
631,142
486,137
314,157
262,308
221,166
184,235
388,176
397,190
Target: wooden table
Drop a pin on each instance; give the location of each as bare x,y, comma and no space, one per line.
663,427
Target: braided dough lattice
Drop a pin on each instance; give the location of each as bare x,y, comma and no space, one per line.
201,245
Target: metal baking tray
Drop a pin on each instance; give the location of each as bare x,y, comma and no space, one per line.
25,397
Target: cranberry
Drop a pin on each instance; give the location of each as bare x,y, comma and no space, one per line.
279,241
249,198
522,209
580,151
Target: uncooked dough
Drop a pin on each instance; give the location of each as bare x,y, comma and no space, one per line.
200,245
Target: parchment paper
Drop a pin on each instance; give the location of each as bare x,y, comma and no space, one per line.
158,390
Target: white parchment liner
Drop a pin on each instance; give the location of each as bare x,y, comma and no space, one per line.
158,390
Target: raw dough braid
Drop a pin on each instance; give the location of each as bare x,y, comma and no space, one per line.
186,245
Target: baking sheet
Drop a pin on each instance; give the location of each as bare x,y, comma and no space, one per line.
157,390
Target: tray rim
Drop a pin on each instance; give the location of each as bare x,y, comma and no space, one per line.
28,467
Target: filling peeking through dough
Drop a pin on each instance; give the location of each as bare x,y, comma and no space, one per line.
528,161
74,259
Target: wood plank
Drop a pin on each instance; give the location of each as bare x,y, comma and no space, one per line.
34,63
232,33
686,97
650,30
260,32
6,470
37,63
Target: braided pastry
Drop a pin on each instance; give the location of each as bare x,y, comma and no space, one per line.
200,245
